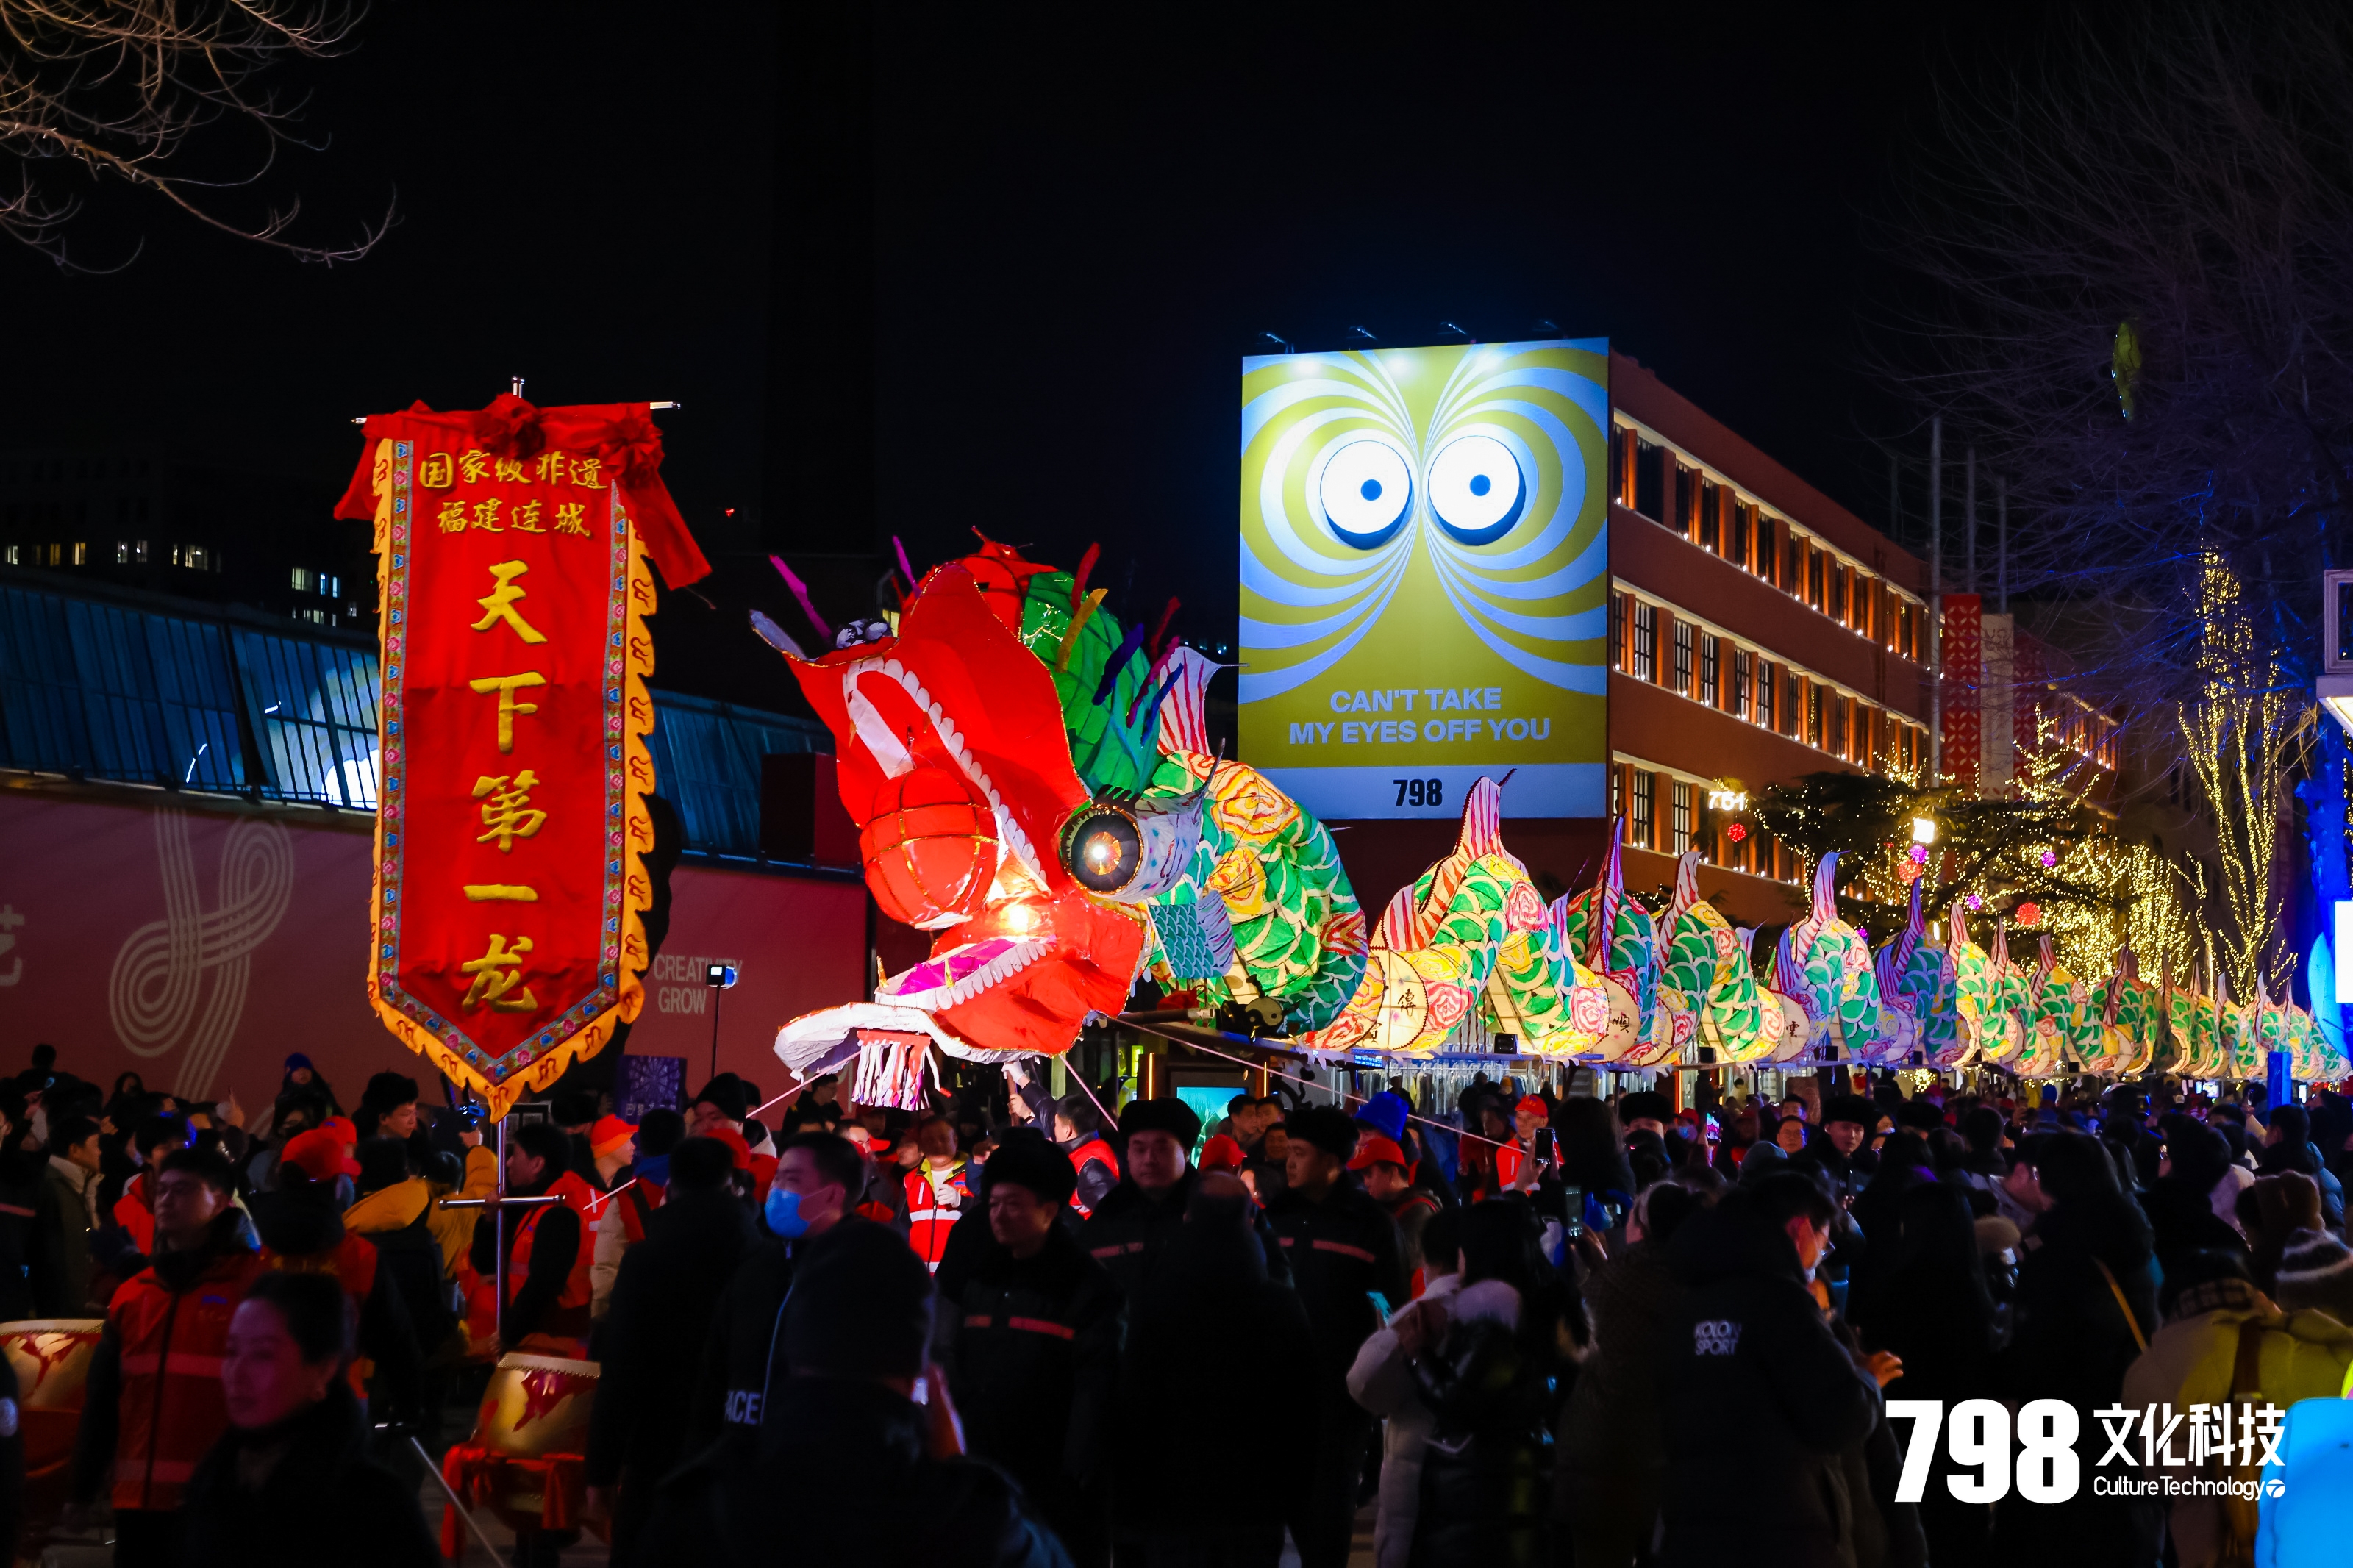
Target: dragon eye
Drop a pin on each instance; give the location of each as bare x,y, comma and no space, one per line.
1476,489
1103,848
1366,492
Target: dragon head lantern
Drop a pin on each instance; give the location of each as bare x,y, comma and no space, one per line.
1031,786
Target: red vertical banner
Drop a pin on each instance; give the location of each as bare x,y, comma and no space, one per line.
1964,678
512,547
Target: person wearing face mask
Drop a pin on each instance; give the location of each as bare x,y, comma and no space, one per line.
1750,1337
817,1173
668,1284
289,1474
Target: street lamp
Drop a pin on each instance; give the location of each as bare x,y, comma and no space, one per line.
719,977
1923,830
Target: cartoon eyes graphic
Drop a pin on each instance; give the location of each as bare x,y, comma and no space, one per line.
1367,491
1476,490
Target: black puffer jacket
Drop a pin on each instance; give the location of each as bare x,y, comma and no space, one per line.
1031,1351
1486,1476
300,1493
1130,1229
1750,1342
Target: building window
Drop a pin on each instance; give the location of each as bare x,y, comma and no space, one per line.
1837,716
1646,641
1710,521
1686,499
1685,632
1741,677
9,555
1621,466
1814,716
122,552
304,579
1709,659
139,552
1646,809
1769,547
1837,607
1686,802
1765,689
1736,547
1815,561
1617,790
1617,631
1904,632
1650,480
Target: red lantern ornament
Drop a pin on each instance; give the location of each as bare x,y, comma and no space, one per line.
930,849
2029,915
1736,832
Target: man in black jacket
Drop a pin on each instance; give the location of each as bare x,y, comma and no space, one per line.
1133,1222
1343,1251
1750,1338
670,1285
1841,1154
816,1174
1030,1344
856,1466
551,1300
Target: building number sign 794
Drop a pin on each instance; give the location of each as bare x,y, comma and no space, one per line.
1421,792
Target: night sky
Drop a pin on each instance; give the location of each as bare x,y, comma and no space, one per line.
1078,225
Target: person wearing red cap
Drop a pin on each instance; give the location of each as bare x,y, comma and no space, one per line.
625,1210
152,1404
1381,1165
1517,1169
1221,1153
302,1232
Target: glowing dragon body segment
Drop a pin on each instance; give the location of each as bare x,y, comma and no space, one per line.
1705,974
1629,958
1834,959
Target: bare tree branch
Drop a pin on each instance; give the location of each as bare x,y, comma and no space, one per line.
123,89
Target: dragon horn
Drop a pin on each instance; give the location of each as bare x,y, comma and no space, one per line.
800,592
1956,924
1686,883
1396,932
1826,888
1483,819
1611,887
1897,956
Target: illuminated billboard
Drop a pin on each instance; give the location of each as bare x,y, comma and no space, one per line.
1425,576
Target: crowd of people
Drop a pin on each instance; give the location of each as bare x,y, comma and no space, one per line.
1016,1329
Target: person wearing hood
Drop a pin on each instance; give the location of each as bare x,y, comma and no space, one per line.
1381,1382
2224,1342
548,1254
395,1215
302,1232
290,1475
1136,1219
846,1435
1348,1264
1613,1449
2287,1146
1207,1314
1488,1365
1749,1337
302,1079
670,1285
2086,1304
623,1214
1030,1345
2192,1206
153,1403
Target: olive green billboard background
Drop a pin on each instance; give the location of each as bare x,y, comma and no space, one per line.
1425,576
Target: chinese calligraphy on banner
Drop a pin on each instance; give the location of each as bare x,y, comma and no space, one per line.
512,547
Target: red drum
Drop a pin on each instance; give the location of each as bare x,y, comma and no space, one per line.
51,1358
536,1405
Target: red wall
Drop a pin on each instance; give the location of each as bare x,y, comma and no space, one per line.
86,961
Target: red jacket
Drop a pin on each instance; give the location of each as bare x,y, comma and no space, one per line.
1094,1152
171,1407
928,1223
134,1211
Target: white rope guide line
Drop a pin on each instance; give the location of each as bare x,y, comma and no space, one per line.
1307,1083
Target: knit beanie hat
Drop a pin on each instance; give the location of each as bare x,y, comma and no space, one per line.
1645,1105
860,1306
1026,1159
1325,1127
1850,1107
2316,1269
1385,1113
726,1092
660,1130
1171,1116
